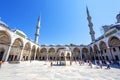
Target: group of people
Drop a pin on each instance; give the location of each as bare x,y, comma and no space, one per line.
98,63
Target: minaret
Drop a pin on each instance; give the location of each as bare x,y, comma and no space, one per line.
90,24
37,31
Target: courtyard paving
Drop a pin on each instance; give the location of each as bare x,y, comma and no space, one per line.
40,70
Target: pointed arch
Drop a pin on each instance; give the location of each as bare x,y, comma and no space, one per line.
76,53
76,50
103,47
43,50
26,51
85,53
51,50
43,53
114,44
16,49
5,38
95,48
5,41
114,41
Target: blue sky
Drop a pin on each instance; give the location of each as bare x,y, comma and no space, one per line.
62,21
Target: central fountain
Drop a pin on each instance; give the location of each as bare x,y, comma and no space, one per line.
64,57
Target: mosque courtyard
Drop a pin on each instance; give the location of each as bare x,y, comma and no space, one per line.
41,70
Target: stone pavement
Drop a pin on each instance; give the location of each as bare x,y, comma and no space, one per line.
37,70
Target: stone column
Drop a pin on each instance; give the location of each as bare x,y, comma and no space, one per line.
94,55
5,54
29,57
20,55
13,57
112,57
35,54
81,55
8,52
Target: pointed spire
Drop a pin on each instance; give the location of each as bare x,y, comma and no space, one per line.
90,24
87,11
38,25
37,31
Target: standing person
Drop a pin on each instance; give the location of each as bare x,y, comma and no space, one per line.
108,64
100,63
0,64
90,64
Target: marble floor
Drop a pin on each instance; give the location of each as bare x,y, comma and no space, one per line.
40,70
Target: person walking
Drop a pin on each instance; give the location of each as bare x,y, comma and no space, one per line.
108,64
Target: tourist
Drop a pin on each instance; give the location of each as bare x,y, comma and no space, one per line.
90,64
0,64
108,64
